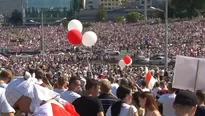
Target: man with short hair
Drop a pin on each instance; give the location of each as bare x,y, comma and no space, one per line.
90,105
73,86
106,97
167,101
185,103
5,77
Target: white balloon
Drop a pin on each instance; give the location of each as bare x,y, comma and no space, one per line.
75,24
122,64
89,39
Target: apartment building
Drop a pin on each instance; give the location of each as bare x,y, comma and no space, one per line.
110,4
8,6
91,4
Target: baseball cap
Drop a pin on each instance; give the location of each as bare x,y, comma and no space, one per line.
186,98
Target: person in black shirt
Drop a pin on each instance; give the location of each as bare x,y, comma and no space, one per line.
185,103
106,97
200,111
89,105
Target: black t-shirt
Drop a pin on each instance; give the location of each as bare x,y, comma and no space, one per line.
107,100
88,106
200,111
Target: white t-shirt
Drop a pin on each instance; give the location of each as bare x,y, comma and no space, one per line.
155,90
4,105
69,96
3,85
114,87
167,101
124,110
145,90
59,90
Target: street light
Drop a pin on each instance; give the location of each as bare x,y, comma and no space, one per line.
156,9
57,21
32,21
42,31
166,31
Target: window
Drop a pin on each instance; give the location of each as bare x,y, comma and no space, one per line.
109,4
90,2
91,6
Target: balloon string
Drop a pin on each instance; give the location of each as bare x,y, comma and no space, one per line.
89,67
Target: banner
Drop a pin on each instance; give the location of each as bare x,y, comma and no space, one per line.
189,73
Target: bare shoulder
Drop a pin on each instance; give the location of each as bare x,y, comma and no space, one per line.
156,113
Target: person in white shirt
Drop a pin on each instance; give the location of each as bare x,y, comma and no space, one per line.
123,107
5,108
73,86
167,101
143,86
156,89
5,77
62,82
114,85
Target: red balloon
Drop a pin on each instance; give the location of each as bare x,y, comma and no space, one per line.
127,59
74,37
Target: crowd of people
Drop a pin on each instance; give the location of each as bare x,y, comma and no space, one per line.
68,84
39,93
185,37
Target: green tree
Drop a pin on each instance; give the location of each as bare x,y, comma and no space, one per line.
171,12
1,19
16,17
188,8
124,3
134,16
101,14
120,19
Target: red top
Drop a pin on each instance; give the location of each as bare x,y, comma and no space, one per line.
68,111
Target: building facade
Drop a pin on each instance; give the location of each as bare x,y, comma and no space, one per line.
32,9
91,4
8,6
110,4
52,10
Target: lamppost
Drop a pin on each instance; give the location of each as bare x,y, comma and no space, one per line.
166,31
42,32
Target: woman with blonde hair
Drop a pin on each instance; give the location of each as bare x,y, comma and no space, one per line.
147,101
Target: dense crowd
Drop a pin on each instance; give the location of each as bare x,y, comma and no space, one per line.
69,84
185,37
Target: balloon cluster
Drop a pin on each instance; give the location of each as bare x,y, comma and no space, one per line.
126,61
75,37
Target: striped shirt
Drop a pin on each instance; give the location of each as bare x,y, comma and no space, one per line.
107,100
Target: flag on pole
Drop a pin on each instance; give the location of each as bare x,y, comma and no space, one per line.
150,80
